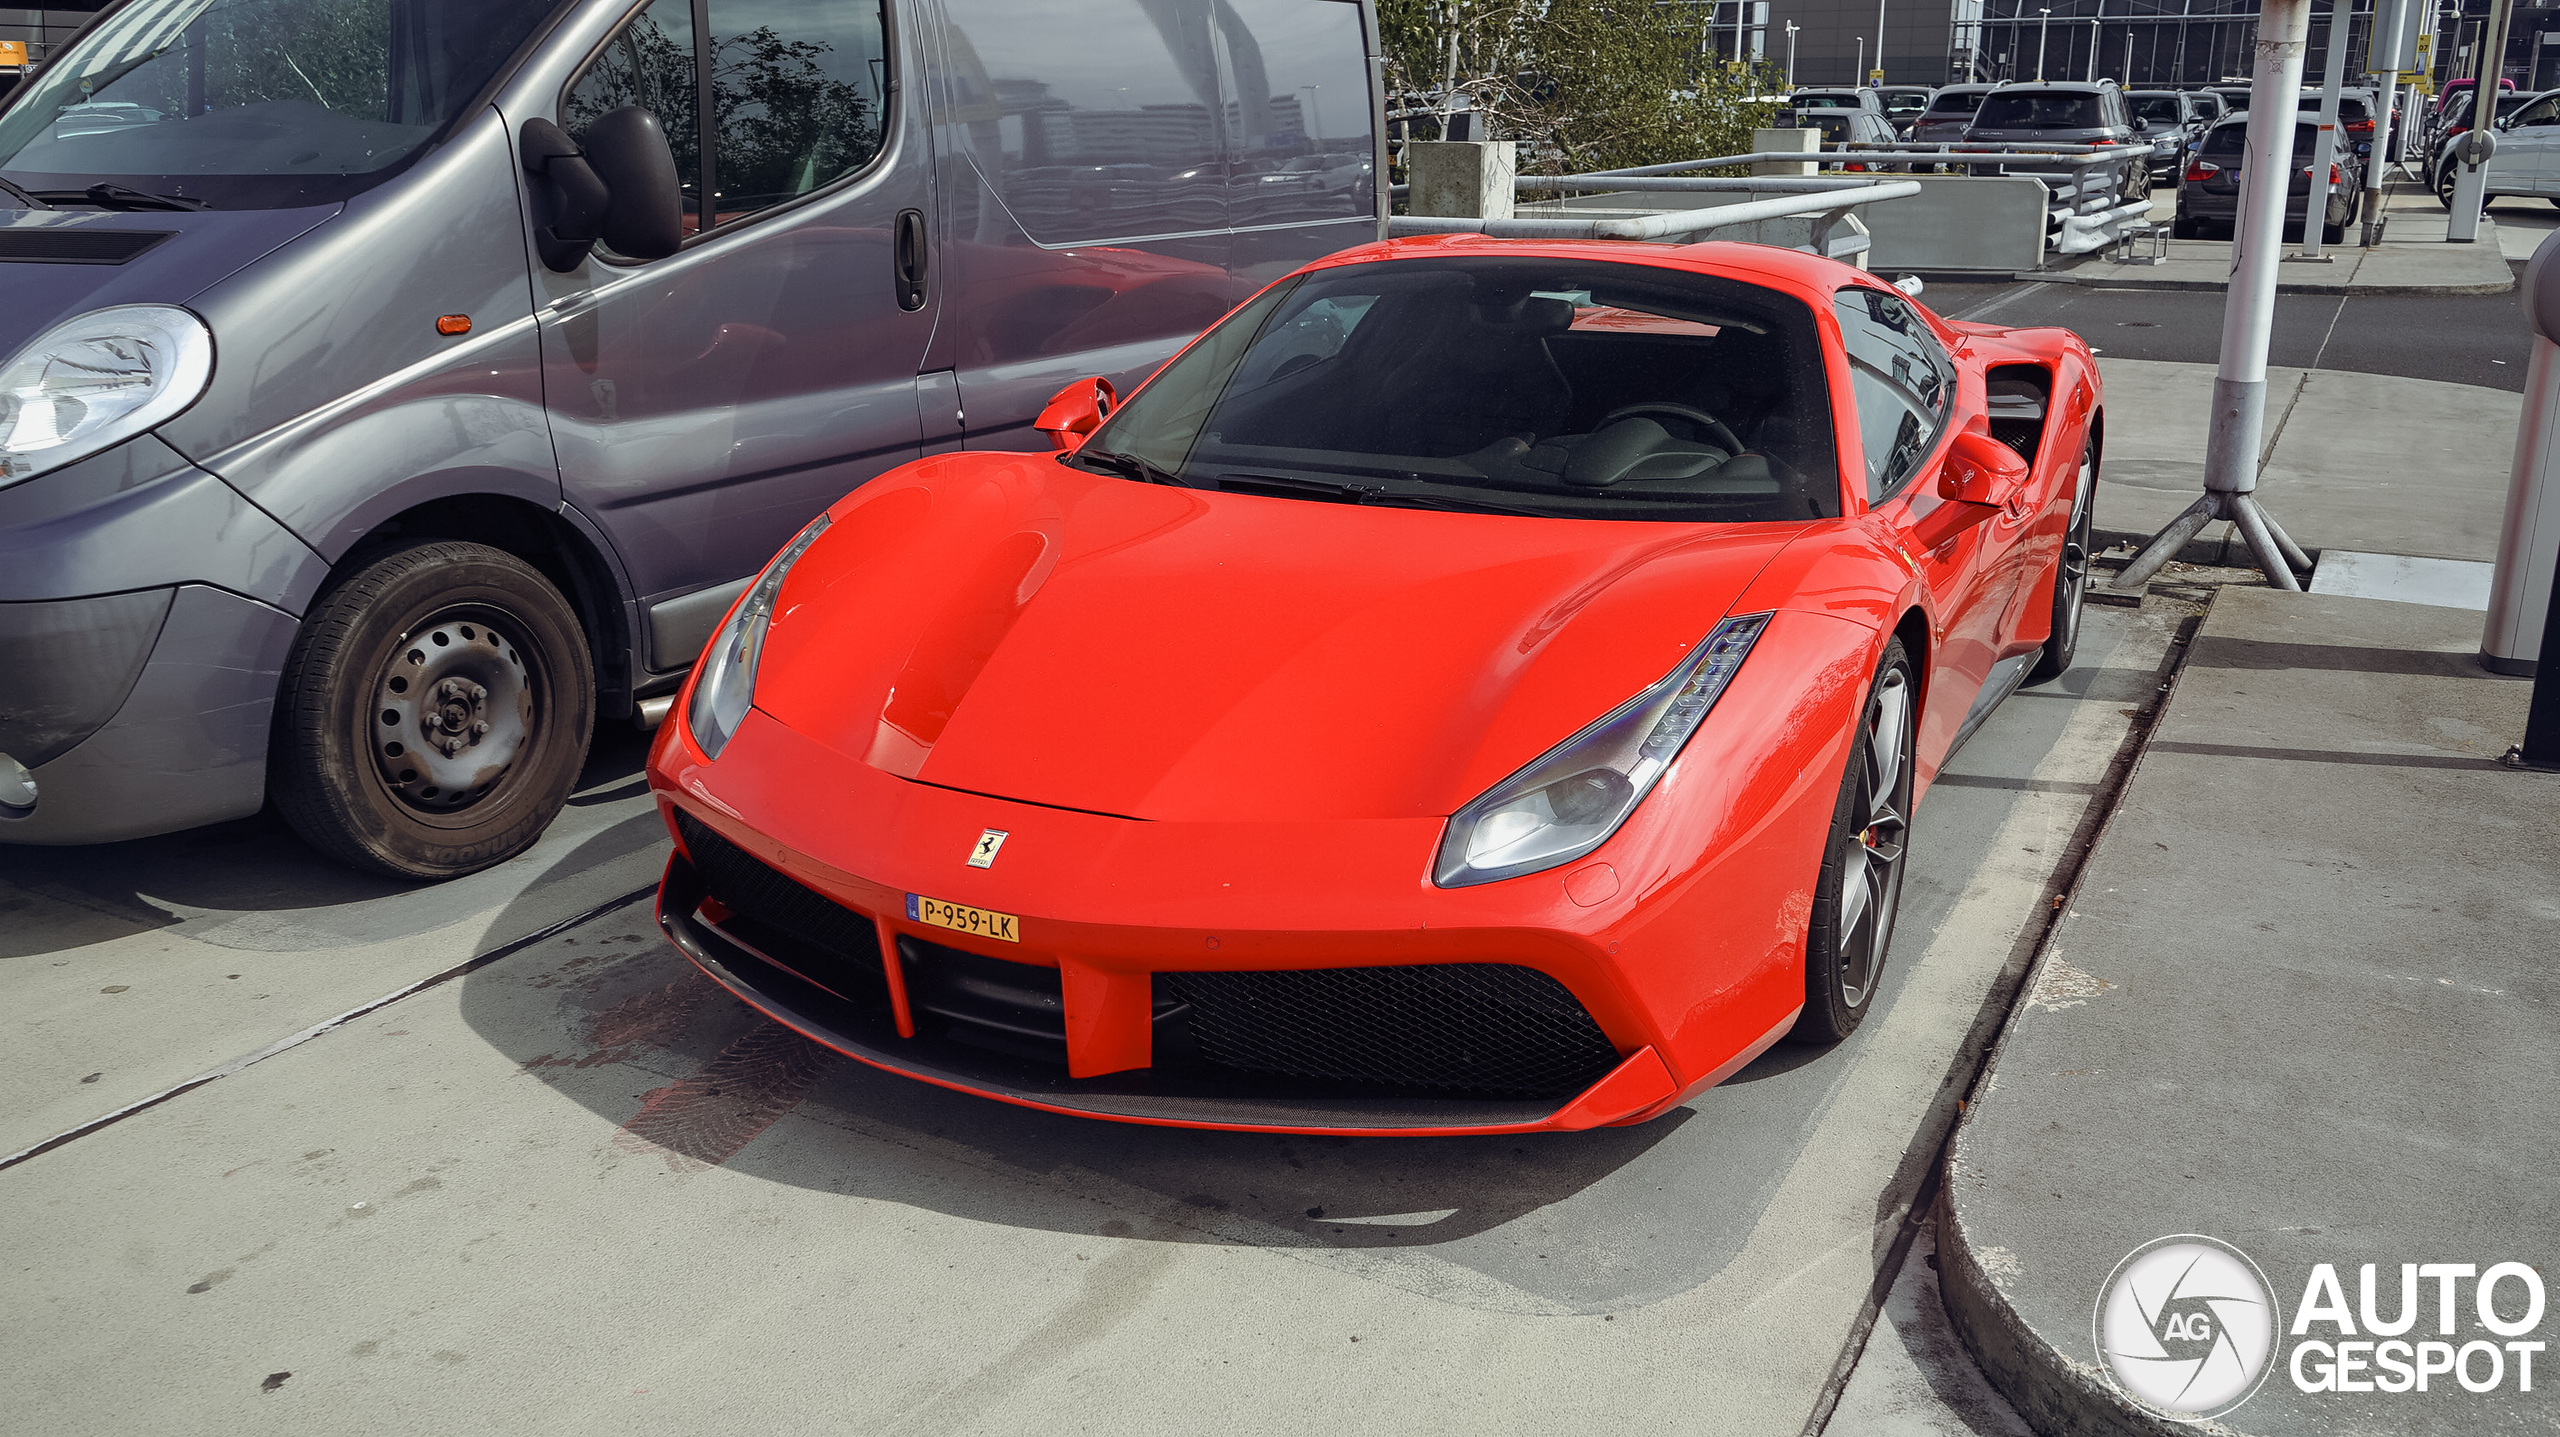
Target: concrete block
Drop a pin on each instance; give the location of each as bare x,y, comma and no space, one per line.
1462,179
1807,141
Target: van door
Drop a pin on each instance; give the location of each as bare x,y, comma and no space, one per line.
708,404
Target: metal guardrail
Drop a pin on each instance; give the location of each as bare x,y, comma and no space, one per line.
1829,206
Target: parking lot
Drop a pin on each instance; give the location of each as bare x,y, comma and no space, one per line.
579,1187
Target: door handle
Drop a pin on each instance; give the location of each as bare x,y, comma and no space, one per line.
909,258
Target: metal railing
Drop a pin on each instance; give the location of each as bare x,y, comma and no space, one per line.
1827,208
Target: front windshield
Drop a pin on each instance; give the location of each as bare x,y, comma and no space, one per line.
2155,109
255,103
1564,388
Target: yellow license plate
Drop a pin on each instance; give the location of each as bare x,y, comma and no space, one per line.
960,918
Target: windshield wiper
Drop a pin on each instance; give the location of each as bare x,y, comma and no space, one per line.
1369,494
108,196
1128,466
26,197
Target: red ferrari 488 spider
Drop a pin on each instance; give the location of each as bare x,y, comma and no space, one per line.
1477,686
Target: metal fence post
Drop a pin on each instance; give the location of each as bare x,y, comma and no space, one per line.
2248,319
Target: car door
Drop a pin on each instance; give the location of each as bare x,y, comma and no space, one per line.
2524,164
707,405
1903,383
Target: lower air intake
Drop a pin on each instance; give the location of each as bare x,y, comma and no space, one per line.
1489,1029
804,930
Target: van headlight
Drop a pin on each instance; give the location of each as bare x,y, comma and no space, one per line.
1573,797
97,380
725,684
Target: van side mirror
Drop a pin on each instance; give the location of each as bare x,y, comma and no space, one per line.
1077,411
621,188
629,152
1980,477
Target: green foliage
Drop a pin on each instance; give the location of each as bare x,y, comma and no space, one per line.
1582,84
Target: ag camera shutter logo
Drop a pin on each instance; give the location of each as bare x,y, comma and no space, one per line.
2186,1325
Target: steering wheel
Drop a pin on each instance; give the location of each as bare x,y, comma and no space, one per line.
1714,427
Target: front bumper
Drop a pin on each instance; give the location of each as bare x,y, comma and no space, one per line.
1677,948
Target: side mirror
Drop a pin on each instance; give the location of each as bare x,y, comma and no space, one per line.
2141,126
1077,411
1980,477
628,150
621,188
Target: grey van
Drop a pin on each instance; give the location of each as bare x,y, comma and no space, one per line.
391,389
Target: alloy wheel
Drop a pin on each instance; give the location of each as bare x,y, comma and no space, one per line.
2075,554
1871,872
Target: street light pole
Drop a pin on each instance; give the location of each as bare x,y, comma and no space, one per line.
2044,28
1879,38
2238,422
1791,54
1861,74
2097,28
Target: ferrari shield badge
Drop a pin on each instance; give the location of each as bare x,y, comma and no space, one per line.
984,855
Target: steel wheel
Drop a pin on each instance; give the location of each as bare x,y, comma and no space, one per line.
456,710
1860,887
1871,877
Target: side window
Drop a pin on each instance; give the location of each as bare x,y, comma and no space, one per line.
1903,381
796,95
649,64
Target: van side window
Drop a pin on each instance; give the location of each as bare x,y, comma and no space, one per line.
649,64
1903,380
796,96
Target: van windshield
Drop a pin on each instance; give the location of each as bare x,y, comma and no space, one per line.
254,104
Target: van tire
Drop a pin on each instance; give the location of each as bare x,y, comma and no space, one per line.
434,713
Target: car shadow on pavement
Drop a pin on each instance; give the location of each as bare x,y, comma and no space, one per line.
253,884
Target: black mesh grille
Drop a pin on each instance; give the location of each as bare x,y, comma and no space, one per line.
1479,1028
813,935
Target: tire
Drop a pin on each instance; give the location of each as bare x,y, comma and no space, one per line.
2070,575
2333,234
2182,228
434,713
1862,861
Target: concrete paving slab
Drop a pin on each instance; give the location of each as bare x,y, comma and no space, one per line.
1915,1379
127,968
2302,1002
2449,583
2376,463
581,1189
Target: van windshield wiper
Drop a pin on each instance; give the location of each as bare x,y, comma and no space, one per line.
1128,466
1369,494
108,196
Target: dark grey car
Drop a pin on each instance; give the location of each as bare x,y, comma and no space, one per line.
2064,113
2209,191
1949,115
387,403
2175,120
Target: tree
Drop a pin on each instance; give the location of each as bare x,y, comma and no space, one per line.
1583,84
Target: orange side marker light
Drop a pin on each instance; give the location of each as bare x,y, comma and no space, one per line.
453,324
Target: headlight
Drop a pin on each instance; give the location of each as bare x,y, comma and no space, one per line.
726,684
1573,797
96,381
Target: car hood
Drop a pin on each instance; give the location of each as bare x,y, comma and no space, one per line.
201,248
1006,625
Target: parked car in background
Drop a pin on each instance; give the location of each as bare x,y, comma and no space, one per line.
1904,105
1843,128
2233,98
2209,191
2528,152
2070,112
1949,114
2208,103
536,339
1837,97
2175,121
2440,164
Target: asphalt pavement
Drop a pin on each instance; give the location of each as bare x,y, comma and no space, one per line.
576,1188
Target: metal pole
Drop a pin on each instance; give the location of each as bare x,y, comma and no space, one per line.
2374,162
2097,28
2541,746
2248,314
2128,51
1879,70
2324,147
1860,77
2471,183
2044,28
1791,54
